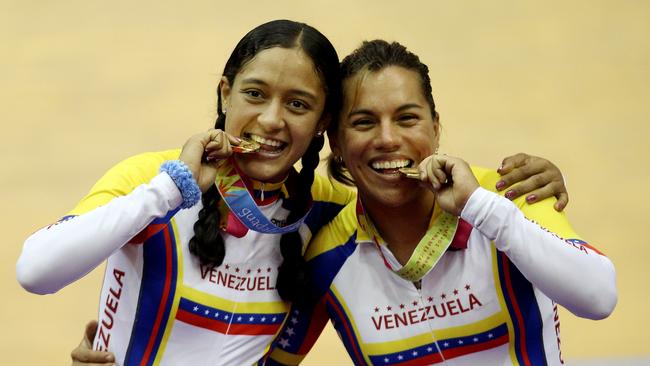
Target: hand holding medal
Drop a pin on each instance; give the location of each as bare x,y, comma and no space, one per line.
413,173
450,178
203,150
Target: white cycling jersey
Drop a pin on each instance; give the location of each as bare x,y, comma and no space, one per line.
158,305
491,300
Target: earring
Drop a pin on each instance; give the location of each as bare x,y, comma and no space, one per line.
224,111
319,133
338,159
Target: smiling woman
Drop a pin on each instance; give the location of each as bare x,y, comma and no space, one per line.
384,104
204,246
188,280
277,100
436,268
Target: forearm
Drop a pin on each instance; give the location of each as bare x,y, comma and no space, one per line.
60,254
575,276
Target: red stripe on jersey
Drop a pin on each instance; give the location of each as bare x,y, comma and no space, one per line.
318,321
462,235
515,307
594,249
422,361
472,348
349,332
201,322
163,298
147,233
224,327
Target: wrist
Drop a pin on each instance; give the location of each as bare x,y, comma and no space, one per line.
184,180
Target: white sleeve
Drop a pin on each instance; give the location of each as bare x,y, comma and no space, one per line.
62,253
580,279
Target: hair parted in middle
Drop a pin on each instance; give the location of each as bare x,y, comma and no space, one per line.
207,243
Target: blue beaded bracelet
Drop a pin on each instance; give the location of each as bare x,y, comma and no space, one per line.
182,176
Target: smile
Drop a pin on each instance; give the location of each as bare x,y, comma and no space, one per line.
390,166
266,144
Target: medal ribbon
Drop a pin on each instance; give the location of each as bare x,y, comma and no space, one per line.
429,250
232,189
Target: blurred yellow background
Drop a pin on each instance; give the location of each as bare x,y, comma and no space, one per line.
87,83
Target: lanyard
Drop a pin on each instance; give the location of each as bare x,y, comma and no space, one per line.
233,191
429,250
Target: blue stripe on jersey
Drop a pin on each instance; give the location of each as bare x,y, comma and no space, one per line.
294,330
216,314
343,325
326,266
428,353
524,300
321,213
477,339
268,362
166,218
157,252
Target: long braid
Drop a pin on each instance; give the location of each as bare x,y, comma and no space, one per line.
207,243
293,277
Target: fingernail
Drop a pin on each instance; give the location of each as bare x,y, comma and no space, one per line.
500,185
510,194
531,198
238,139
500,168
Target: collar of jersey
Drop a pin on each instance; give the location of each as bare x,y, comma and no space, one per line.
265,193
364,237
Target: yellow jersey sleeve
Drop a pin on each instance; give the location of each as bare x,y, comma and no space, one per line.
123,178
541,212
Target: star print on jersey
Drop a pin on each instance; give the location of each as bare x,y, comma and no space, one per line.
288,335
226,322
448,348
424,309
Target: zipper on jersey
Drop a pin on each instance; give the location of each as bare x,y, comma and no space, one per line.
262,195
418,287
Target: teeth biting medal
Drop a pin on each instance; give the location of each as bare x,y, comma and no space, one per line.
246,146
412,173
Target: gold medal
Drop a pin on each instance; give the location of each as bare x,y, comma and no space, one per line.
413,173
246,146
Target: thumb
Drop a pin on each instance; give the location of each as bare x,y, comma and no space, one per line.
89,335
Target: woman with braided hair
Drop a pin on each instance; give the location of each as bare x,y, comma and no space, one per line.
210,281
205,282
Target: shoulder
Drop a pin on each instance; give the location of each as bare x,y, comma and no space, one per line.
336,235
329,198
487,178
330,249
145,161
541,212
123,178
326,190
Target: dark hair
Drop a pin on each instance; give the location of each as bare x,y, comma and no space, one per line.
207,242
374,56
